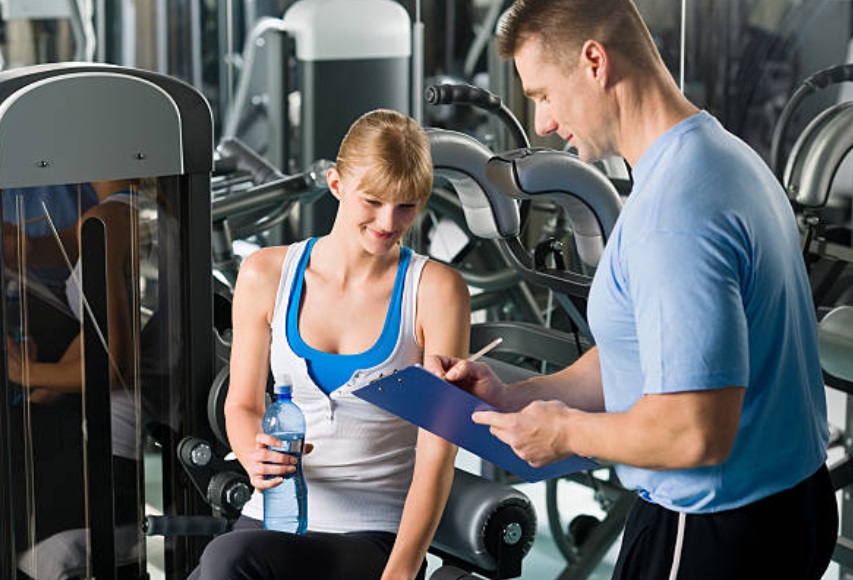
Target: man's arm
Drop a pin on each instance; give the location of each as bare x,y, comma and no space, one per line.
577,386
666,431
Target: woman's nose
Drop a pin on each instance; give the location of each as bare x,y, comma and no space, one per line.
386,218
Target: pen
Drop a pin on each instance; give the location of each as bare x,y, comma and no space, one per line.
485,350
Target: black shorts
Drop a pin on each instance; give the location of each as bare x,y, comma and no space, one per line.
790,534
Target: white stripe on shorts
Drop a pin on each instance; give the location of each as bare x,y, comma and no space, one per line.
679,544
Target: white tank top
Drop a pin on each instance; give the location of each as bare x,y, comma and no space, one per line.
361,467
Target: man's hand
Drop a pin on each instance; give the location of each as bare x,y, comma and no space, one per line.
535,433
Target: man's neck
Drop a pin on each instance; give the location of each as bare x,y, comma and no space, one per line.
649,107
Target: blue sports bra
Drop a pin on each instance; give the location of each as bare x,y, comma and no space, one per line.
329,371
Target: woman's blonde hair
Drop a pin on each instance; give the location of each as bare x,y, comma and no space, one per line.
393,152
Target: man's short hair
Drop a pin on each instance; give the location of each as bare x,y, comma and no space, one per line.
563,26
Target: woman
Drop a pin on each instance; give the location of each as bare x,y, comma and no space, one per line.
334,313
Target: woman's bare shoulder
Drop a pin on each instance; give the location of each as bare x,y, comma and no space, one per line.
262,267
441,282
438,273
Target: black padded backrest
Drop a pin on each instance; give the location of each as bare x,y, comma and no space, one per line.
462,160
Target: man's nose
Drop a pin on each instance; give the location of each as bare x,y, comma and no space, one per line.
543,122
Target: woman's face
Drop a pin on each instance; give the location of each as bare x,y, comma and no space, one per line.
379,222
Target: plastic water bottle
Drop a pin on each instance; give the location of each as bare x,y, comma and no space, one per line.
286,505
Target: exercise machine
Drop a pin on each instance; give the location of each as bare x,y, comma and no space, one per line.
808,173
75,124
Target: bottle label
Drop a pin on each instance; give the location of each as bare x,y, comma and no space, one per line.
291,447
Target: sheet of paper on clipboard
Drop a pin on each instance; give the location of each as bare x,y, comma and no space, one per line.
440,407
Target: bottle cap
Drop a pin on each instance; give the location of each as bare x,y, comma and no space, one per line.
282,385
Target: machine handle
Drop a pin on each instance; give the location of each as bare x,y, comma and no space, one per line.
449,94
172,526
464,94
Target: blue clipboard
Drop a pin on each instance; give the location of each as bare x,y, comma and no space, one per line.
444,409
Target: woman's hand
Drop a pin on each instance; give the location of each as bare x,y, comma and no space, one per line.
267,467
14,361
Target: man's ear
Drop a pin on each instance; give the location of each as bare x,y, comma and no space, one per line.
594,61
333,180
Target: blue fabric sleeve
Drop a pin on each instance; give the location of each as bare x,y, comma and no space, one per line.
689,315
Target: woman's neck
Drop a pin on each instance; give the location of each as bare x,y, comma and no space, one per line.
348,262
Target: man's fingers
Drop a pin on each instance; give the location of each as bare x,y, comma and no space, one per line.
500,425
436,364
460,369
491,418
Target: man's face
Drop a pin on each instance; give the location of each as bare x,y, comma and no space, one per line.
561,93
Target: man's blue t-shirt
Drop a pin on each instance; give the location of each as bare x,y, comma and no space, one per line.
702,286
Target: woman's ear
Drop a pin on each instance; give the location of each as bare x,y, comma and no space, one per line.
333,180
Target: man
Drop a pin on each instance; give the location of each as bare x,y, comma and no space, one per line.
705,386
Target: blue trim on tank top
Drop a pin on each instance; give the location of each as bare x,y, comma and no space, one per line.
331,371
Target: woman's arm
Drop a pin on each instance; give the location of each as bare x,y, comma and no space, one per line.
444,325
41,251
63,376
66,374
254,301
